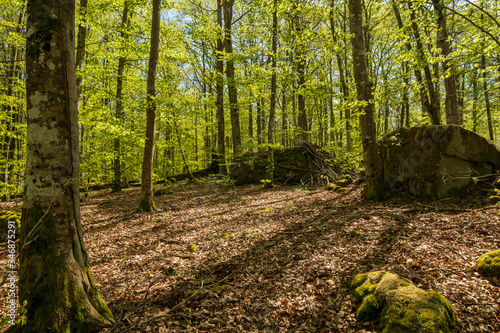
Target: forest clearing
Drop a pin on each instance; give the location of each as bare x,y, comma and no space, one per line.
280,259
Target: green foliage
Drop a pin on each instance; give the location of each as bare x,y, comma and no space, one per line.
186,124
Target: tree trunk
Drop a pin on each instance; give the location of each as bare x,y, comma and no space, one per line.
146,203
300,58
374,189
231,83
452,111
431,101
487,98
343,83
117,163
219,88
272,104
55,278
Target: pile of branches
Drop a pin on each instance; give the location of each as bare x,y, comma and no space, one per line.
322,168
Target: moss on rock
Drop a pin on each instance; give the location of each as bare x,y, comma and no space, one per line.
399,305
489,263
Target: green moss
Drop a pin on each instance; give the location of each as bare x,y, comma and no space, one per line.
192,247
225,236
146,206
400,306
411,309
345,181
358,280
369,308
59,298
489,263
5,217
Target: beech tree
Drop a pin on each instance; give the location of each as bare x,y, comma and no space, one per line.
146,203
55,278
373,164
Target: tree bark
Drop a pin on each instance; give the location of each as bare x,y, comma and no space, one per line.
231,83
487,99
219,89
55,278
146,203
117,163
343,83
452,111
272,104
300,57
374,189
431,101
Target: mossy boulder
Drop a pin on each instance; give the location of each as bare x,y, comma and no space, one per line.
302,164
489,263
436,162
400,306
291,165
5,217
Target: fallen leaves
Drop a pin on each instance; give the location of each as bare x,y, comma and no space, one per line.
280,259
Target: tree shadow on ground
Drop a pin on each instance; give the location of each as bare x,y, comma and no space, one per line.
286,282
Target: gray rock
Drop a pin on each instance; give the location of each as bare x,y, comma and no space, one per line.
436,162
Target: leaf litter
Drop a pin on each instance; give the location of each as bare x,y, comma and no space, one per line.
280,259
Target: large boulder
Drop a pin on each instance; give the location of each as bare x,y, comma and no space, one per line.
399,306
436,162
251,168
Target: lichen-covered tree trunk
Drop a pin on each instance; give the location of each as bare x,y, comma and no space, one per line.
54,273
374,188
146,203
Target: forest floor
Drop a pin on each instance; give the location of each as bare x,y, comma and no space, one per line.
280,259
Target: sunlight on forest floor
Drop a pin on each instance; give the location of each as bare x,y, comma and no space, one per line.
281,259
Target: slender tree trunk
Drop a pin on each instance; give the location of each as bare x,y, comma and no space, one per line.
375,188
343,83
119,103
474,99
146,203
272,104
452,111
284,120
80,49
300,58
219,88
250,121
487,98
55,278
231,83
431,101
259,123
